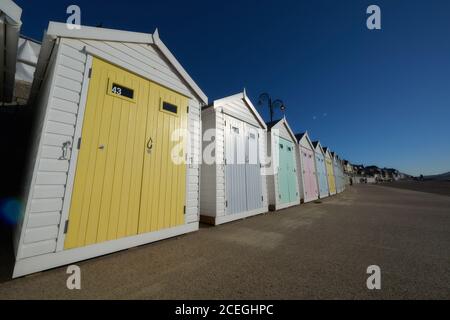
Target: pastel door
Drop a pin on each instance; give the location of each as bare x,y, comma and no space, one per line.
235,162
163,194
287,176
111,189
321,175
330,176
292,172
310,181
253,170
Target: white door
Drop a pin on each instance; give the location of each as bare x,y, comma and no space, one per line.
235,166
253,170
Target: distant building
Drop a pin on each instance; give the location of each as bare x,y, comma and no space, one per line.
27,56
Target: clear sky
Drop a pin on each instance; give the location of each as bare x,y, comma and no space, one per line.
374,97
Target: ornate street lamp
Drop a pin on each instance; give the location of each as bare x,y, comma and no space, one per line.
265,97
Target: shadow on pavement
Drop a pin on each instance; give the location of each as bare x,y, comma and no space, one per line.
15,146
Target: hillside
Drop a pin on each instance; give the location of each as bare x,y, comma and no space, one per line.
439,177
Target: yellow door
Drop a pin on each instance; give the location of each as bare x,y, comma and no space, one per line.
330,174
164,175
110,185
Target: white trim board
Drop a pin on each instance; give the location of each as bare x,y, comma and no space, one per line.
233,217
12,10
240,96
59,30
286,205
53,260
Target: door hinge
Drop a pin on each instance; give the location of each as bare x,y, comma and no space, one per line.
90,73
226,204
184,210
79,143
66,226
187,109
262,198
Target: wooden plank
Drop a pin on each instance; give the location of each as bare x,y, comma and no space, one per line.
56,140
64,105
73,53
62,116
48,191
51,152
59,128
192,218
75,75
66,94
38,248
40,234
37,220
45,205
52,165
51,178
72,63
68,84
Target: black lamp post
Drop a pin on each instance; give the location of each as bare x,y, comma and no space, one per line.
272,104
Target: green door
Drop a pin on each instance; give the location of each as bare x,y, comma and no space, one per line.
287,178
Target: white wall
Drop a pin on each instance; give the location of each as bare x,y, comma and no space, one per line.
220,160
39,118
239,110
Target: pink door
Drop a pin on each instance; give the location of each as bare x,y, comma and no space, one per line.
310,182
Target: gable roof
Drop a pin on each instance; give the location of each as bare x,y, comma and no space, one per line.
335,156
241,96
304,135
316,145
327,151
59,30
284,122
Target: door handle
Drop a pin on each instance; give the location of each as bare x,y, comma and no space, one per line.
149,145
101,147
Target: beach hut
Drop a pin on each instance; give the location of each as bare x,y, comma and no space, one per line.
330,172
232,184
10,24
282,181
306,164
114,111
337,174
321,170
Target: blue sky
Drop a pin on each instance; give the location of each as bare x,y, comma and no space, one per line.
374,97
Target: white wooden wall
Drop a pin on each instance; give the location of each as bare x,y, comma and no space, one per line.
300,171
41,222
272,189
264,155
40,115
239,110
220,167
283,132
